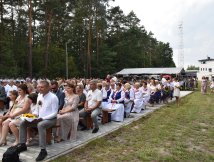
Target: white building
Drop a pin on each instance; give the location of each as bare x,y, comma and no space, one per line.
206,68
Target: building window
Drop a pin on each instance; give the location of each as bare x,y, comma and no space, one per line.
203,62
210,69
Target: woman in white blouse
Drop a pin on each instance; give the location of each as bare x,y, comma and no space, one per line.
176,91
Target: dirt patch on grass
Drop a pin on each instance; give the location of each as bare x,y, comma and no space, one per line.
163,152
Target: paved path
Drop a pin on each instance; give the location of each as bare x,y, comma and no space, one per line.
83,137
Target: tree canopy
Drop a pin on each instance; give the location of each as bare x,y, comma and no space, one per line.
100,38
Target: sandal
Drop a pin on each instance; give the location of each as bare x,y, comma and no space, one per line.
29,140
3,143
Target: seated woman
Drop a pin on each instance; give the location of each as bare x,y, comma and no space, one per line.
21,106
82,97
138,98
106,91
146,93
153,90
12,95
116,103
68,117
129,99
33,108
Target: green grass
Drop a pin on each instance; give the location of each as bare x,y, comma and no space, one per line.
184,133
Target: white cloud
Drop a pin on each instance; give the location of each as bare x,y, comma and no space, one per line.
162,17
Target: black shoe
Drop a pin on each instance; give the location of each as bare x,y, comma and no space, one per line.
43,153
83,128
21,147
95,130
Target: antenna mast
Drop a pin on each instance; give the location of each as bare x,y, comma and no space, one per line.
181,46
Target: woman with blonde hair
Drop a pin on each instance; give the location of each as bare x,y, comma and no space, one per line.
12,95
138,99
129,99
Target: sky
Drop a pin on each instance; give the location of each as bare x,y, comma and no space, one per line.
162,18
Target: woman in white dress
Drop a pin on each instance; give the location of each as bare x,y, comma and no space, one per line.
129,99
212,86
146,93
176,91
138,99
116,103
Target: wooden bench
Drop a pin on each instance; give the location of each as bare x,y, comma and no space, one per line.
88,121
106,117
49,133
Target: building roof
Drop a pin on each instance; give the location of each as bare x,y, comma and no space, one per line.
208,59
136,71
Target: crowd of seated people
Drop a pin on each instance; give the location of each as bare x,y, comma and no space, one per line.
64,102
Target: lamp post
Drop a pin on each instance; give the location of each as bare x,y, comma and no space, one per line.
66,58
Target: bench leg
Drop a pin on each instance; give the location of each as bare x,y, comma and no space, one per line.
105,117
89,122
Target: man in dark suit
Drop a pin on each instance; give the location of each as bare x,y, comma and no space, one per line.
61,95
2,96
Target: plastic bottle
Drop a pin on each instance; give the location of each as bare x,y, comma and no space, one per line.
52,138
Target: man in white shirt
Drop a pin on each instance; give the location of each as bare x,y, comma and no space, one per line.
47,112
92,105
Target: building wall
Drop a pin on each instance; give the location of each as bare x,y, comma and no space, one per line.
206,69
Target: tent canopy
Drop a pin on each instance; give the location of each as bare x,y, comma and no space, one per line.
150,71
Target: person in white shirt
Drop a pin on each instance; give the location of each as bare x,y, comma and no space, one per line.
138,99
146,93
47,112
176,92
92,105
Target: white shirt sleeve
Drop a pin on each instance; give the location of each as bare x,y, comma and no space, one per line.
54,109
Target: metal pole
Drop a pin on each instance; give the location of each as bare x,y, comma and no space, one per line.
66,60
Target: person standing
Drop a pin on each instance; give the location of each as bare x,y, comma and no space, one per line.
47,116
204,85
176,91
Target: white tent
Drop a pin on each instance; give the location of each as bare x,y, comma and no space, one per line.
150,71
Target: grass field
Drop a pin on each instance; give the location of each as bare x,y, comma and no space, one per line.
184,134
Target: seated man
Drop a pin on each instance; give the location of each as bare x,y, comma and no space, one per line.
47,112
92,104
59,93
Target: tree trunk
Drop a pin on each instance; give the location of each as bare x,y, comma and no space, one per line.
49,20
1,28
89,47
30,39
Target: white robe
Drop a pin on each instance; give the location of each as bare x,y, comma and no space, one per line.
146,95
138,101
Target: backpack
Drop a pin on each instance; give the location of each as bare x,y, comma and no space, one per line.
11,155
